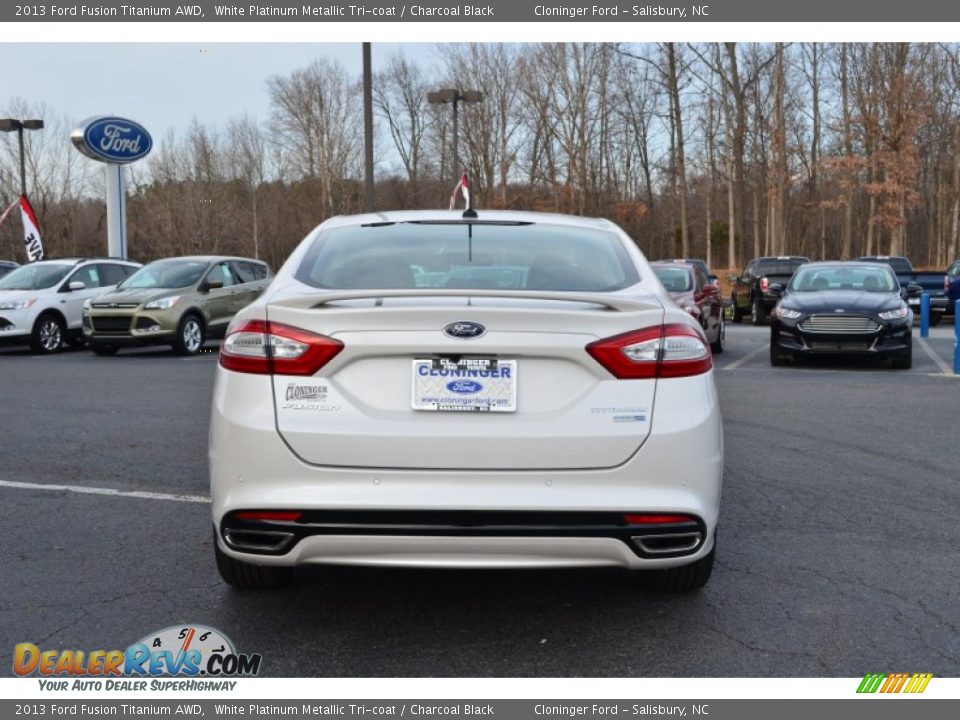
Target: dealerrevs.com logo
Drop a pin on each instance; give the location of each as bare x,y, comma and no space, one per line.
189,651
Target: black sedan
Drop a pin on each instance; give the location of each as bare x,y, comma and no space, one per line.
834,308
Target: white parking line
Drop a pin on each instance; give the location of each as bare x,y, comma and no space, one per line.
737,363
938,361
82,489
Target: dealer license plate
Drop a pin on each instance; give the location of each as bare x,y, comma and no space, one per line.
465,385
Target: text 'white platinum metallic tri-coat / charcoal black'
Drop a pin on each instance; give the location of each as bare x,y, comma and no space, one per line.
428,389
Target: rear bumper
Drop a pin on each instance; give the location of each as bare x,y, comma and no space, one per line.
768,302
937,304
454,535
678,470
464,552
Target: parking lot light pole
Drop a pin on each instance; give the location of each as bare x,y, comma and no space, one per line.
368,129
11,124
455,96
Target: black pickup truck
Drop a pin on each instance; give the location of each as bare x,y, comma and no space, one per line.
751,289
916,283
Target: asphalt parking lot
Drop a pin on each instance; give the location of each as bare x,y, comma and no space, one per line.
838,546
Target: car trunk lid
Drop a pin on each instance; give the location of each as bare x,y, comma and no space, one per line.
568,412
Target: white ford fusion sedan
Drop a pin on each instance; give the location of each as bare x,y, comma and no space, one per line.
430,389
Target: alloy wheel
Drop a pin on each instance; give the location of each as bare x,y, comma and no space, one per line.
192,335
50,335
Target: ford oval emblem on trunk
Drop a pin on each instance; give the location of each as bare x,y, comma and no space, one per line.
465,330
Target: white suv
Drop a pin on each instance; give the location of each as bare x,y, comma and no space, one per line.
41,304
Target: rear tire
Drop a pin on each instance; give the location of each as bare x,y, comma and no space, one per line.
103,349
49,332
247,576
935,318
737,312
190,335
684,578
717,346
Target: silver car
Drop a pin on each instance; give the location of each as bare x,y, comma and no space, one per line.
421,388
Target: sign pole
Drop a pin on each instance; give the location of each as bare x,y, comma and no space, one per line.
115,142
116,211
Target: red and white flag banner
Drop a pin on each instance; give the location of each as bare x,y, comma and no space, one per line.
464,187
31,231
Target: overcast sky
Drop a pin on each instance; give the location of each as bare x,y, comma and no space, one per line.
163,85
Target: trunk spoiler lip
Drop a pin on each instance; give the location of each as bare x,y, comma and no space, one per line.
611,302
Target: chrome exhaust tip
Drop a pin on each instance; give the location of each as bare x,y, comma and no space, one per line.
258,541
678,543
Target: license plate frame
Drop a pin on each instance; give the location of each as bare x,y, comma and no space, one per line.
485,385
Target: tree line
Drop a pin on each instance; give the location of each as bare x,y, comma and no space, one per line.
723,151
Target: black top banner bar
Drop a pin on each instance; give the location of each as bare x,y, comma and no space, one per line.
486,11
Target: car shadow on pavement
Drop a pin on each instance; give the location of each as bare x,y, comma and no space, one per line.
385,621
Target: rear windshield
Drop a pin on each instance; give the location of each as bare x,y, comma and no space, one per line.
954,269
34,277
900,265
674,279
779,267
696,262
865,279
461,256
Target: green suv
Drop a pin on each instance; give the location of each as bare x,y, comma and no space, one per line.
178,302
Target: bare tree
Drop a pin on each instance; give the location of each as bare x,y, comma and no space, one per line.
400,98
316,116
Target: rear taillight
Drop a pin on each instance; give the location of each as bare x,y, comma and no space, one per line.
659,352
263,348
764,284
946,283
657,519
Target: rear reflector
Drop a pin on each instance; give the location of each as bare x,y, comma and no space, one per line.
281,515
657,352
657,519
262,347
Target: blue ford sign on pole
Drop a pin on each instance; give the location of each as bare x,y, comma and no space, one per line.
114,141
